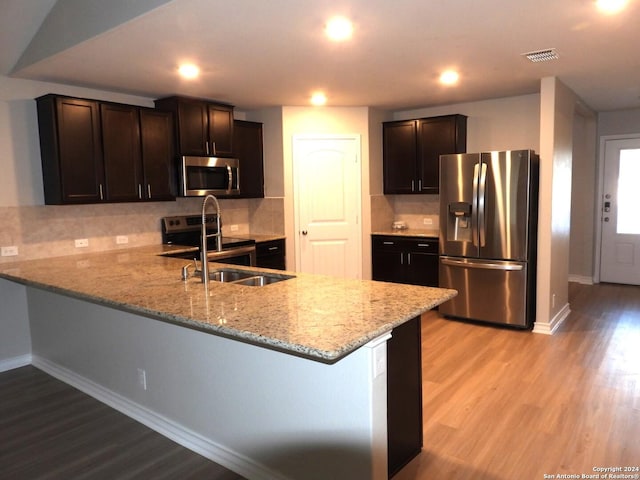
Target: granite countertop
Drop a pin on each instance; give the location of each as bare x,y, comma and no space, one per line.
318,317
409,232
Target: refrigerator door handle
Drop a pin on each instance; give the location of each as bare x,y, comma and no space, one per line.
474,205
508,266
482,224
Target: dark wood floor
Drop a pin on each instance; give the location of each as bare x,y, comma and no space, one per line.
50,431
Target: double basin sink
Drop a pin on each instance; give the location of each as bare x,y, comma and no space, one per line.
242,277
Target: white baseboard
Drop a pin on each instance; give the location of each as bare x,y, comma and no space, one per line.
549,328
583,279
15,362
183,436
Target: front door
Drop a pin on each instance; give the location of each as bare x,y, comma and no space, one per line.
620,252
327,191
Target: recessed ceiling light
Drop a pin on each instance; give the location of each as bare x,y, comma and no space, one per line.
188,71
611,6
339,29
449,77
318,99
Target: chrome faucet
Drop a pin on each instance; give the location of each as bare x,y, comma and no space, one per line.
218,235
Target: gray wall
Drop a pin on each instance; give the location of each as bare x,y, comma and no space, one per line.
15,339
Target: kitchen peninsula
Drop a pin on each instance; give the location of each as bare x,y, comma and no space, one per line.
310,404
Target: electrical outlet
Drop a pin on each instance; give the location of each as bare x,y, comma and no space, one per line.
11,251
82,242
142,378
427,221
233,228
122,239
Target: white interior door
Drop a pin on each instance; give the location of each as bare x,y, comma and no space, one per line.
620,251
327,190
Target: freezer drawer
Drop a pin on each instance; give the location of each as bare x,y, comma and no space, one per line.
488,290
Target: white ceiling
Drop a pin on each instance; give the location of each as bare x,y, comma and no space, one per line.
260,53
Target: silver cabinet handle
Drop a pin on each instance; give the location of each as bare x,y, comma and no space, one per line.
207,146
413,185
424,245
149,189
388,243
101,192
140,191
271,249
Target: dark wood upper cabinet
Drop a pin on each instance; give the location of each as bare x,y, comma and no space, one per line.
412,149
104,152
121,152
247,141
202,127
220,130
158,157
399,156
71,150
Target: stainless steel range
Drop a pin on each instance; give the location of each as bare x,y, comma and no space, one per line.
185,230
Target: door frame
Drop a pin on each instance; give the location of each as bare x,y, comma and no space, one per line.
296,189
600,193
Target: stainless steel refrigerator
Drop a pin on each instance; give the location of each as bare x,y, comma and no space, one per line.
488,235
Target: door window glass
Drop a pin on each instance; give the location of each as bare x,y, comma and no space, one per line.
628,192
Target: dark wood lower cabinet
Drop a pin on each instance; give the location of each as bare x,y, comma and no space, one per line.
404,395
405,259
271,254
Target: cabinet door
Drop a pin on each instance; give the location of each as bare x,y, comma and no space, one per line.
247,142
399,156
121,152
71,151
271,254
388,266
158,160
422,269
422,262
388,260
193,127
438,136
220,130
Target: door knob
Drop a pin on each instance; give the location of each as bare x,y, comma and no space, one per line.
304,232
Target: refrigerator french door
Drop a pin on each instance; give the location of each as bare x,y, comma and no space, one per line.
488,219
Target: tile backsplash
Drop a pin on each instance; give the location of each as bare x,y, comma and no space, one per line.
415,209
411,209
51,230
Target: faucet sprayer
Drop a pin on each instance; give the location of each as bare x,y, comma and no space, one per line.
218,235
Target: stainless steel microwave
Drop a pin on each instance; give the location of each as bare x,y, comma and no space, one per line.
202,176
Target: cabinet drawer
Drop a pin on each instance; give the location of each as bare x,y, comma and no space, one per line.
397,243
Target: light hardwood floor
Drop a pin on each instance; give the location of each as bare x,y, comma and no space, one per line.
503,405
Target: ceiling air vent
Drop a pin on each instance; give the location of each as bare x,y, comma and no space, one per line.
542,55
